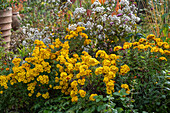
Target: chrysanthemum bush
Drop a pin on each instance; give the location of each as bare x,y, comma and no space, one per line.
148,60
52,70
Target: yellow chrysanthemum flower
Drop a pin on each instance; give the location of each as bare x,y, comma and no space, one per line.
92,97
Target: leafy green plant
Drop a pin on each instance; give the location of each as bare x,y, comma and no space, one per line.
147,60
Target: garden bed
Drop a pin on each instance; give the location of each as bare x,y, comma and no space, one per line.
85,56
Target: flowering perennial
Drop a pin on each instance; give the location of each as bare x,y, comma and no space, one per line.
52,67
156,45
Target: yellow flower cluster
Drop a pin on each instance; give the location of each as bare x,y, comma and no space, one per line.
102,54
31,87
38,94
32,74
124,69
43,79
150,37
74,91
16,62
78,32
46,95
157,45
126,87
3,81
67,74
117,48
70,71
109,69
82,93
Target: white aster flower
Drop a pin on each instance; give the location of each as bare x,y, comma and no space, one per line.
98,9
100,27
80,10
24,30
126,9
113,32
124,2
100,37
72,27
120,11
89,25
137,19
96,3
80,23
126,18
104,17
108,8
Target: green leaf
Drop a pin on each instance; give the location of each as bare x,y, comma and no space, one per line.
116,93
144,112
101,96
101,107
114,110
95,97
36,106
104,99
158,103
122,99
69,12
119,110
97,100
46,111
86,111
92,108
66,97
112,104
123,92
163,96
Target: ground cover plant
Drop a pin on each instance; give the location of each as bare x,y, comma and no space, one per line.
78,56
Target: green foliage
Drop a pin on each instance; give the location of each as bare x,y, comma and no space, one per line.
147,79
5,57
4,4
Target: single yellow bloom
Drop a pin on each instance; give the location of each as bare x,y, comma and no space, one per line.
1,92
151,36
91,97
162,58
